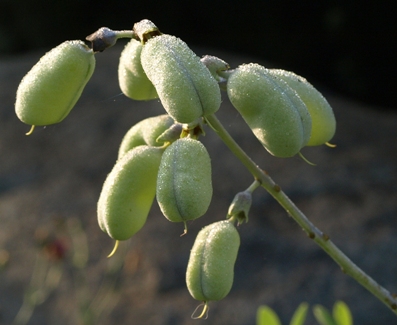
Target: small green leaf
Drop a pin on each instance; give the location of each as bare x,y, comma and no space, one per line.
299,316
322,315
342,314
266,316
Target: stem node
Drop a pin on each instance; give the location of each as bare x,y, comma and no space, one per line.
326,237
277,188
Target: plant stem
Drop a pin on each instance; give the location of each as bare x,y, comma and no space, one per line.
312,231
124,33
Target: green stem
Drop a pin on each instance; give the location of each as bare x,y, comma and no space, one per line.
253,186
124,34
312,231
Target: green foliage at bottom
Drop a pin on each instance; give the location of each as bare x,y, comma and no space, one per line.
340,315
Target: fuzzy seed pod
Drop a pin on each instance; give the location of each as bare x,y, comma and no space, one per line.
274,112
145,132
128,192
215,65
322,115
185,86
52,87
184,185
210,269
132,79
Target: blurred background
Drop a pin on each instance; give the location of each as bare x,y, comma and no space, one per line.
53,266
348,46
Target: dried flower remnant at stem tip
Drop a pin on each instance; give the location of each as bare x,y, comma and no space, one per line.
104,38
145,29
241,204
240,207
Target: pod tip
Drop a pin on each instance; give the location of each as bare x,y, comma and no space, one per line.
31,130
116,245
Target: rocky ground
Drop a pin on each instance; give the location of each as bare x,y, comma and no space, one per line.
53,253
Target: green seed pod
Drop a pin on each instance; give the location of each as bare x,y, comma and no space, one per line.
215,65
132,79
274,112
185,86
184,184
322,115
210,269
145,132
128,192
52,87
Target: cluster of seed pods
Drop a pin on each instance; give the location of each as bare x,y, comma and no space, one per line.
162,157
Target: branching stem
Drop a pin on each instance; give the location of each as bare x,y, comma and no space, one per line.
312,231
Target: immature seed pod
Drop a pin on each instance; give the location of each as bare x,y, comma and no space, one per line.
210,269
274,112
215,65
132,79
184,184
322,115
145,132
128,192
185,86
52,87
